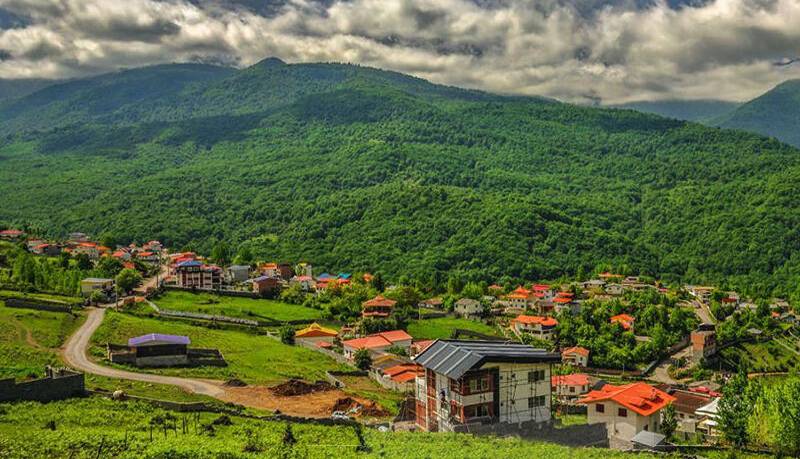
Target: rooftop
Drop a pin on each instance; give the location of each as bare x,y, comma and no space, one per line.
157,338
639,397
453,358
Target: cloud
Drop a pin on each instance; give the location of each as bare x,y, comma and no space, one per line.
575,50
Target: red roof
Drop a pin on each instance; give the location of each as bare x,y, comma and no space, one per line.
638,397
367,277
541,287
544,321
577,379
324,344
379,301
623,319
562,300
565,294
88,244
729,300
404,372
383,339
11,232
576,350
521,291
146,254
304,278
495,287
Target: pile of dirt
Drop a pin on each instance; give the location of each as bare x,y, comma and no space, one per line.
294,387
235,383
349,404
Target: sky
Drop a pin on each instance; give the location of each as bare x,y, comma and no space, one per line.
583,51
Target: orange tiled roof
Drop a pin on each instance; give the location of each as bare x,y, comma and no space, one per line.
541,287
576,350
380,301
383,339
639,397
625,320
576,379
544,321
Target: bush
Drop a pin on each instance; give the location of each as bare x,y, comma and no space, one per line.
362,359
287,334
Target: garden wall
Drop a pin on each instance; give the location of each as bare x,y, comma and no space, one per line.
40,305
59,384
573,436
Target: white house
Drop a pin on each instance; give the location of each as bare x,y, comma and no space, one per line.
467,307
576,355
478,382
541,327
626,410
568,388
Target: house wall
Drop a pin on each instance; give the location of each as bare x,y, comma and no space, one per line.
515,390
622,428
316,339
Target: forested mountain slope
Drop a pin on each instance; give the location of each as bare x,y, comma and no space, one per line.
776,113
360,169
701,111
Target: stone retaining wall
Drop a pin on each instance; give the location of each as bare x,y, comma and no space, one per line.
59,384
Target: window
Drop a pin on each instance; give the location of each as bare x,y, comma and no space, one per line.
572,389
479,384
535,376
600,408
476,411
622,412
534,402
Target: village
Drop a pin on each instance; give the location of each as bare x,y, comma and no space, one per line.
614,360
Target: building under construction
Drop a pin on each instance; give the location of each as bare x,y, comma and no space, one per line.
470,383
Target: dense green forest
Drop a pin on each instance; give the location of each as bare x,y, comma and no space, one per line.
775,113
359,169
701,111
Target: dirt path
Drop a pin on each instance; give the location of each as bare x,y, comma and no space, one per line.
75,355
25,333
317,404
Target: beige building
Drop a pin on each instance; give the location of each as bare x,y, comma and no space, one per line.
626,410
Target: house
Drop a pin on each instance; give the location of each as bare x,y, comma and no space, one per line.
568,388
316,333
542,291
282,270
709,415
564,301
157,350
704,342
432,303
97,284
419,346
593,284
77,237
541,327
237,273
13,235
377,343
702,293
521,298
401,377
607,275
614,289
304,269
482,382
495,290
576,355
686,404
49,250
626,410
378,307
90,249
153,246
148,256
306,283
196,274
266,285
467,307
122,255
626,321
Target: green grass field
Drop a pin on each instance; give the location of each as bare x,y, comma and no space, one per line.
96,427
442,327
760,357
256,359
30,339
246,308
39,296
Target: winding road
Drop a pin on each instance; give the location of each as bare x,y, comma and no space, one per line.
75,355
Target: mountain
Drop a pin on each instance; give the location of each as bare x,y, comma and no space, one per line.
700,111
15,88
776,114
354,168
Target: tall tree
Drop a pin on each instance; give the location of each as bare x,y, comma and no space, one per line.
735,409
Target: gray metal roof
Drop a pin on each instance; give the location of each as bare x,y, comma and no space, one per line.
649,439
453,358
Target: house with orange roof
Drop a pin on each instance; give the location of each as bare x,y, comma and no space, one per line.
378,307
565,301
401,377
377,343
282,270
306,283
576,355
626,410
626,321
13,235
316,333
89,249
567,388
541,327
521,298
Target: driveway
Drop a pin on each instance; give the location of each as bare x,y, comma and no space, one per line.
75,355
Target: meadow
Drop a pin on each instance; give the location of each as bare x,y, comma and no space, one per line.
443,327
30,339
246,308
251,357
97,427
759,357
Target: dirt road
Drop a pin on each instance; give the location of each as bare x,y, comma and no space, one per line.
75,355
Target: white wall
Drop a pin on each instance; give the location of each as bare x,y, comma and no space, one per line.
624,428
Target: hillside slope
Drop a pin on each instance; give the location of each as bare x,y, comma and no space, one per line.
360,169
701,111
776,114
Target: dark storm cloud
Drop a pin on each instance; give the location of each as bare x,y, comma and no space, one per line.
614,50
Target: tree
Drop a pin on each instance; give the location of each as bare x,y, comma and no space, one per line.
377,282
110,266
734,410
287,334
128,279
669,422
84,263
784,409
362,359
472,290
221,253
244,256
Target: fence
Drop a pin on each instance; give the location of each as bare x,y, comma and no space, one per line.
39,305
58,384
573,436
334,355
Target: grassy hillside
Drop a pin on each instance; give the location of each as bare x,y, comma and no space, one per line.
123,430
775,114
360,169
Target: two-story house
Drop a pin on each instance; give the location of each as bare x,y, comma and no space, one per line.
541,327
482,382
626,410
